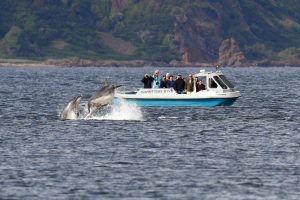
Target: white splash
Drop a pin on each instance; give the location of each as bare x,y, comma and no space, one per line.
121,111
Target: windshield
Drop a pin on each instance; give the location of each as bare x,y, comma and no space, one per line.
220,82
226,81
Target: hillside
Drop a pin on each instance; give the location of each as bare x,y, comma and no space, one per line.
228,32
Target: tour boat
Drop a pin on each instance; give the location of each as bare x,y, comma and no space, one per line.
218,92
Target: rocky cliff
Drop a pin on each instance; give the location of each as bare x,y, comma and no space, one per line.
230,54
196,34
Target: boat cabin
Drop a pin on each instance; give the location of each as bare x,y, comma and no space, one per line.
214,81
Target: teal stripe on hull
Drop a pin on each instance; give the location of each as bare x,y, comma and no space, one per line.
178,102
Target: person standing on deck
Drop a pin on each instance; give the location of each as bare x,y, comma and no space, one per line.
170,82
179,84
168,76
156,79
189,84
163,82
147,80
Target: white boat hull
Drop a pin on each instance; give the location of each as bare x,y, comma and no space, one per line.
168,97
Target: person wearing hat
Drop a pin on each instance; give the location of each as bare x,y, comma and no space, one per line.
179,84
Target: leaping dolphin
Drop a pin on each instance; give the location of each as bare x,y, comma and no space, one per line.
101,98
70,111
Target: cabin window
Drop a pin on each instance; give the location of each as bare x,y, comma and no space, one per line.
220,82
212,83
226,81
202,78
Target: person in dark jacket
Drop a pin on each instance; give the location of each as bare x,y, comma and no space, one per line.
179,84
147,80
199,86
163,82
170,82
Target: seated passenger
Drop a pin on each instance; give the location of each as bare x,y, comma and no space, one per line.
200,86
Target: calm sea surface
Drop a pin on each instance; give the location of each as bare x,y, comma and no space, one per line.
250,150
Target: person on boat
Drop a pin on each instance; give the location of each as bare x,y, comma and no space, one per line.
168,76
147,80
170,82
179,84
156,79
163,82
189,84
199,86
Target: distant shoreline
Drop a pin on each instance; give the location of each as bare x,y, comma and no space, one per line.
77,62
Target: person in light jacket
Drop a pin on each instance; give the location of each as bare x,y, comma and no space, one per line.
156,80
189,84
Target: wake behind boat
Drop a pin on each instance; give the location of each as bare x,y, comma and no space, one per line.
218,92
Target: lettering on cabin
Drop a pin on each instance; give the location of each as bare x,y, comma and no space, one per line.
156,91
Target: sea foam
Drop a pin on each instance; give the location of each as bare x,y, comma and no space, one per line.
120,111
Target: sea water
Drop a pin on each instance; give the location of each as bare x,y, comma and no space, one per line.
250,150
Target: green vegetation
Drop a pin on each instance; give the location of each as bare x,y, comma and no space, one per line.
263,28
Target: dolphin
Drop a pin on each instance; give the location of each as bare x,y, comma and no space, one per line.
101,98
70,111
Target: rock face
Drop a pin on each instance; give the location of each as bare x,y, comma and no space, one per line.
196,34
230,54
